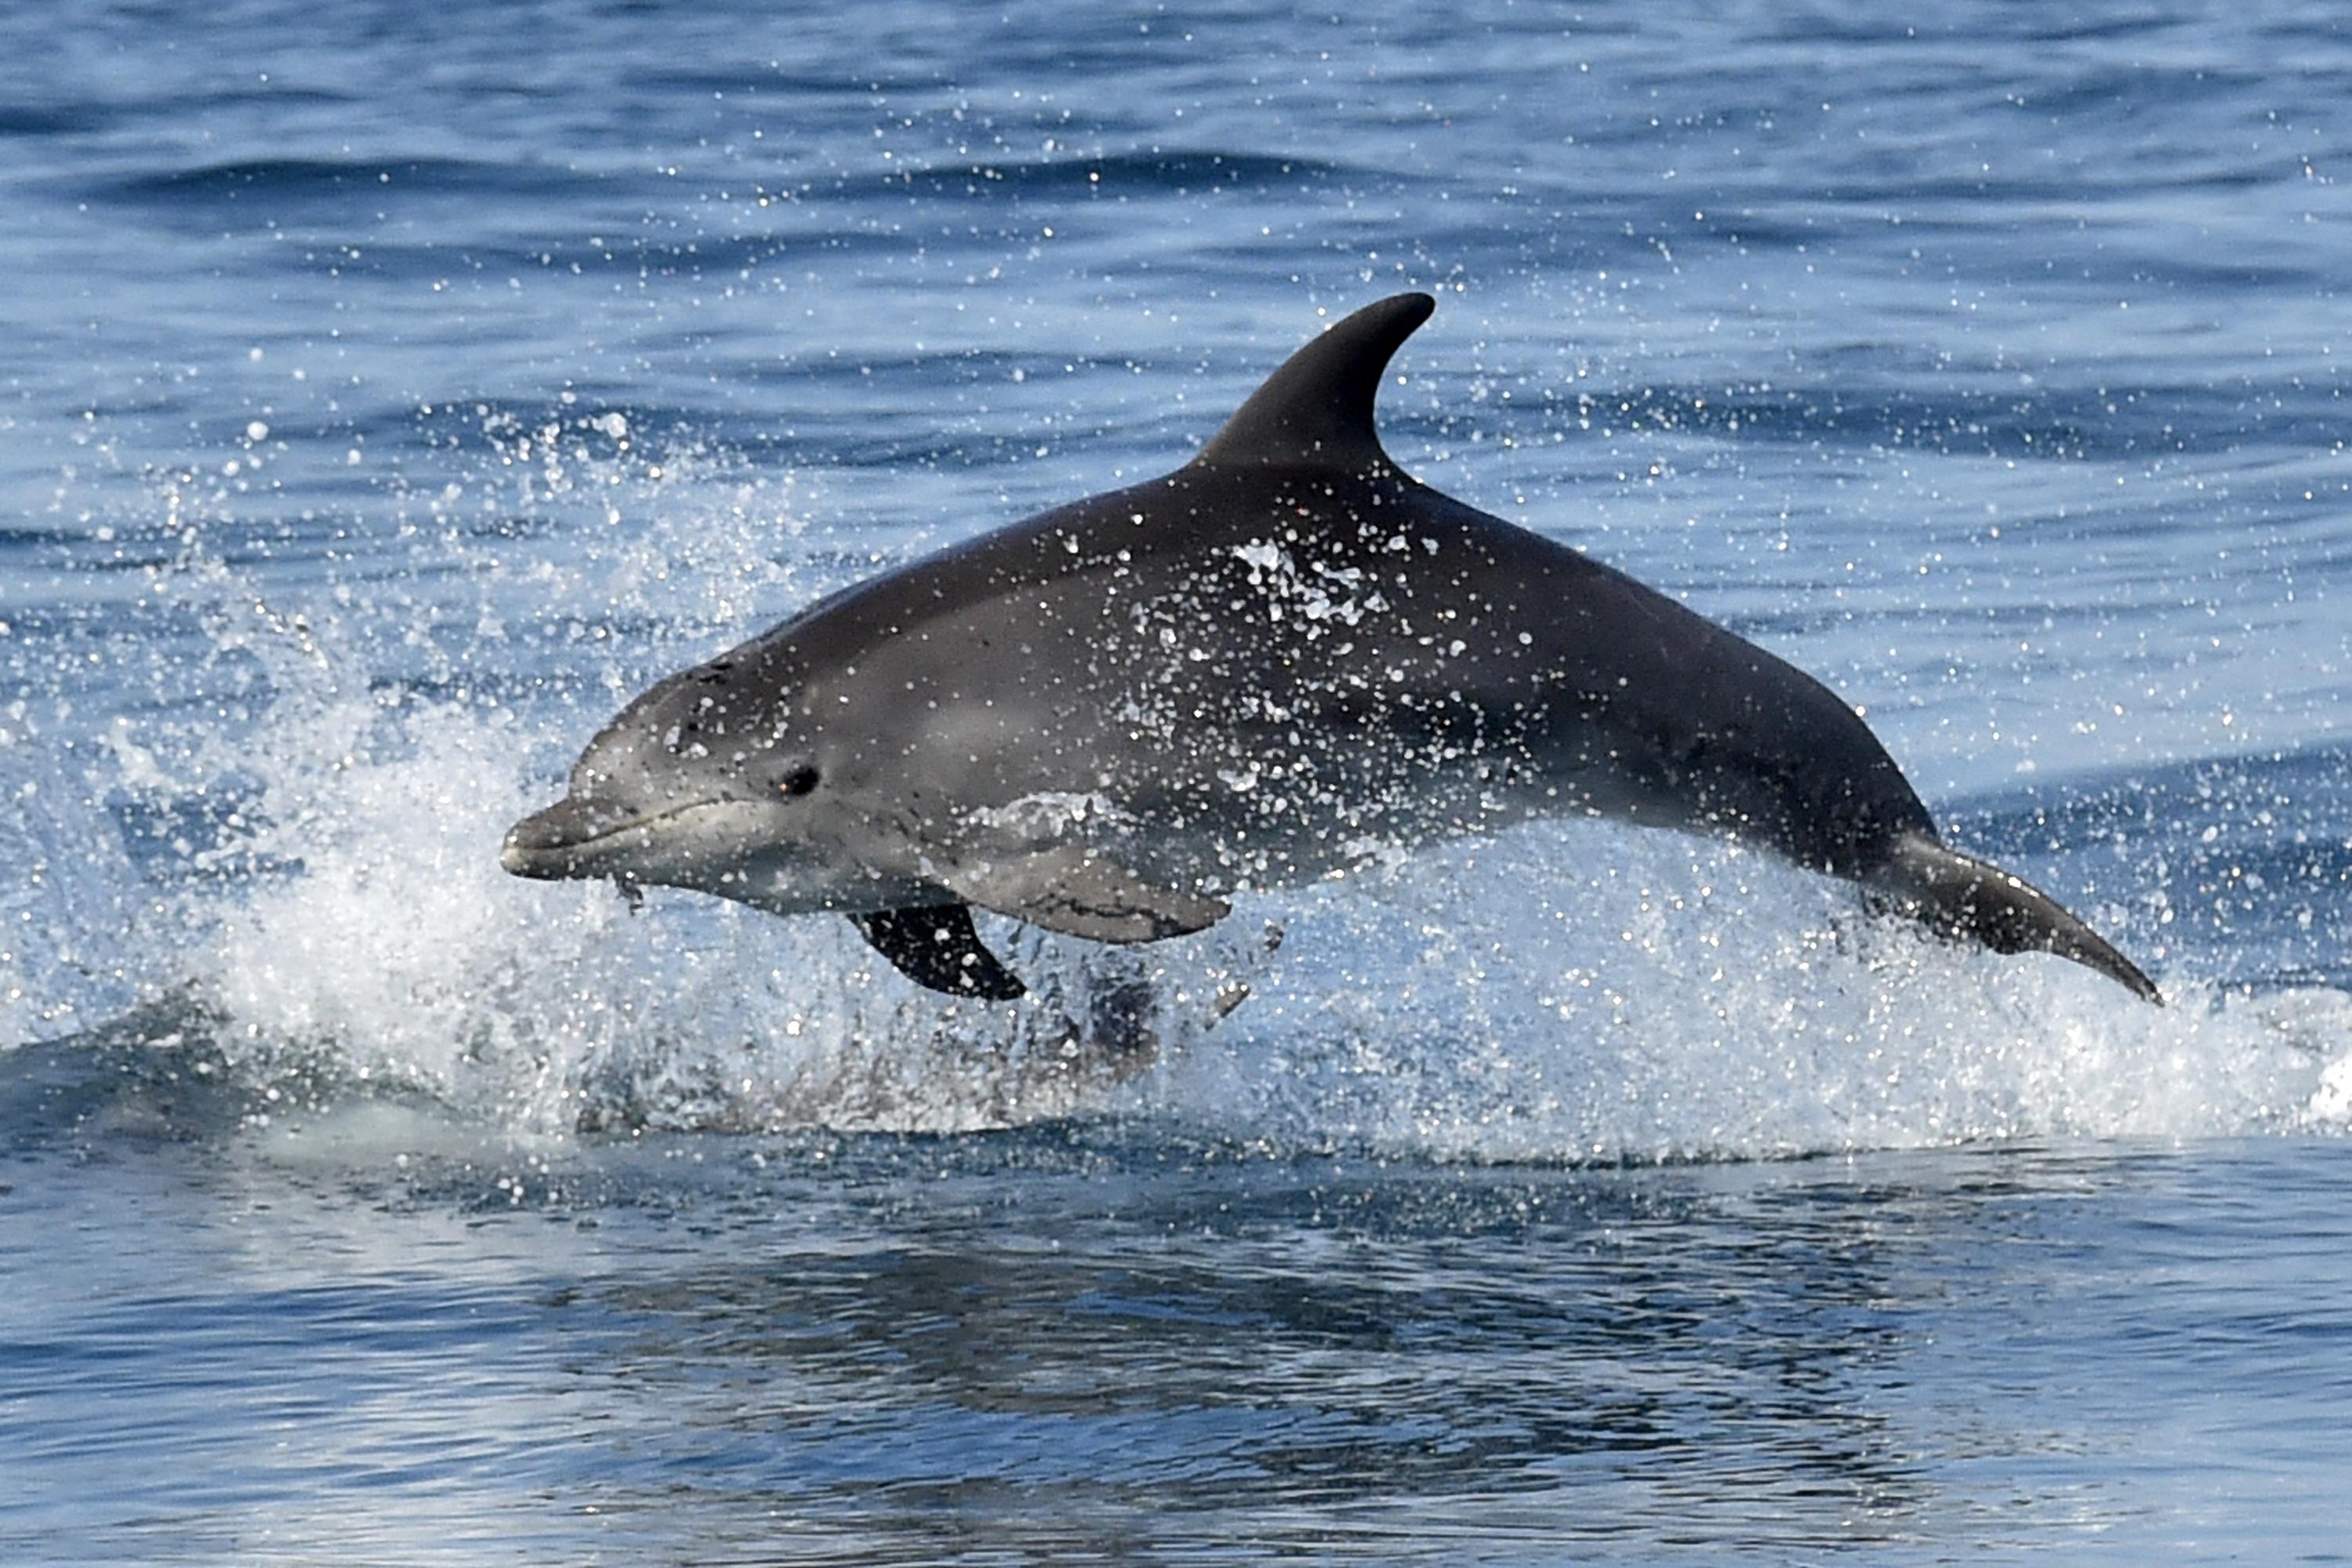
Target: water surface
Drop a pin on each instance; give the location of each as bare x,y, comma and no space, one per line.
387,396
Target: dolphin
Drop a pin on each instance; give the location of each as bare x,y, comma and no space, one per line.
1284,659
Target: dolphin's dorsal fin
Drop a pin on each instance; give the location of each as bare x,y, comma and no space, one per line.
1318,408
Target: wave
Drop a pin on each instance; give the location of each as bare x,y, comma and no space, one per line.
1149,172
338,180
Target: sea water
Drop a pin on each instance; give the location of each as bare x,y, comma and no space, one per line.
387,393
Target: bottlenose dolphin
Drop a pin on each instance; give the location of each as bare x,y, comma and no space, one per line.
1264,668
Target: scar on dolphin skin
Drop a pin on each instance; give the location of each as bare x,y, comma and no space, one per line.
1283,660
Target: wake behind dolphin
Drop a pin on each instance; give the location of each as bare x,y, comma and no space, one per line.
1262,669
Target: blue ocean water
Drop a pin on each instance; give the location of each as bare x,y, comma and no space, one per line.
386,394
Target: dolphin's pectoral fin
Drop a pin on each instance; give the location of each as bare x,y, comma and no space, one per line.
936,946
1079,892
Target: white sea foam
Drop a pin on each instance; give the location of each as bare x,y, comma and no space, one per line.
1572,992
1565,991
1585,992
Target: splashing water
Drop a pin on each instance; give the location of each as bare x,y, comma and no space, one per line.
1565,991
1684,1001
323,903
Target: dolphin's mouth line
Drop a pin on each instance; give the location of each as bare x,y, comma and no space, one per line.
528,854
656,820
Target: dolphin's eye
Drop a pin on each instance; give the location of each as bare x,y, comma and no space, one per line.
799,781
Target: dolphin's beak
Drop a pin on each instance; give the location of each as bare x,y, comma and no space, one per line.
559,841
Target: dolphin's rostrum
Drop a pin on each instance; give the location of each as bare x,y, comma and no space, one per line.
1258,670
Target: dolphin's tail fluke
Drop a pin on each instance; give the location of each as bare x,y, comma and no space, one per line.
1962,896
